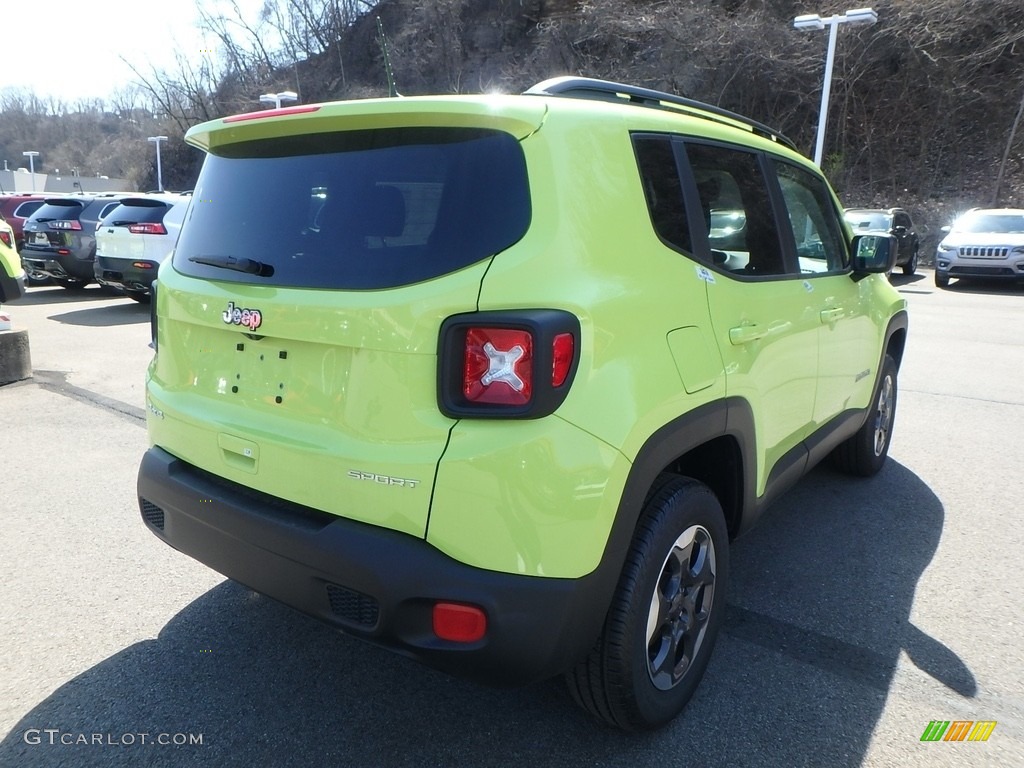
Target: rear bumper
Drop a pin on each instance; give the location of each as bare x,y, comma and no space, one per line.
368,581
121,273
60,266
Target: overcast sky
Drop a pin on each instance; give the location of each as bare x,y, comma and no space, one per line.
71,49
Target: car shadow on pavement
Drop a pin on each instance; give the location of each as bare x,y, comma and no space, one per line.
58,295
980,285
899,280
818,616
128,313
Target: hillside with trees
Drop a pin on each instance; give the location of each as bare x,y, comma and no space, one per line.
925,106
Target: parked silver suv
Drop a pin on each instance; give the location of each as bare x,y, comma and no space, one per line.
984,243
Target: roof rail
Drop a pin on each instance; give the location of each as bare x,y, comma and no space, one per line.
605,90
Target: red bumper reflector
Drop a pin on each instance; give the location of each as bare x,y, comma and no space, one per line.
459,623
562,349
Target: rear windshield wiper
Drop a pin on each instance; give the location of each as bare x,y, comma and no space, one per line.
249,266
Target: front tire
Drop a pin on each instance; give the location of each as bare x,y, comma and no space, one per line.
865,452
941,280
666,613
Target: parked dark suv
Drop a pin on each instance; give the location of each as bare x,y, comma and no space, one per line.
60,237
896,222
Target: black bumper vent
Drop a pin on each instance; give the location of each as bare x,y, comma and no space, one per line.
152,514
353,607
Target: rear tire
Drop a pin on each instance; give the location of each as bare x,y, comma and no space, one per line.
910,267
666,613
865,452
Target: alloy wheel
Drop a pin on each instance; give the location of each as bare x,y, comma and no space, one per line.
680,607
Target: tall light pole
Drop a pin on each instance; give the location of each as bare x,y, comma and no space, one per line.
159,172
814,21
277,98
31,155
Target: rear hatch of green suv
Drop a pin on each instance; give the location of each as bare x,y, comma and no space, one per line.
297,321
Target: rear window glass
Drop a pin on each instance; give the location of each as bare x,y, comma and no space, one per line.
357,209
137,212
868,220
58,210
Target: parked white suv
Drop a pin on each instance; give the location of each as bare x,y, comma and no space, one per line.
134,238
984,243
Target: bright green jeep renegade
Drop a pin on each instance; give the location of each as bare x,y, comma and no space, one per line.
12,276
493,380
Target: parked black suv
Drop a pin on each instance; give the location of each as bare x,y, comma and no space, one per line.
896,222
60,237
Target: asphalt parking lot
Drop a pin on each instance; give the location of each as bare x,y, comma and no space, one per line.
860,611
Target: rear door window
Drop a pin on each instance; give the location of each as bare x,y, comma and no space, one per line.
736,203
356,209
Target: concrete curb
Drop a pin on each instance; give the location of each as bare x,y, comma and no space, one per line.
15,359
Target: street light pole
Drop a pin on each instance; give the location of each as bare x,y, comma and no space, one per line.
814,21
31,155
277,98
159,171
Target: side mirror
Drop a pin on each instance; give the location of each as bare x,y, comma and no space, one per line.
945,230
873,254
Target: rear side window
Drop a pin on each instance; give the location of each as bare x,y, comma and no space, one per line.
26,209
101,211
663,190
356,209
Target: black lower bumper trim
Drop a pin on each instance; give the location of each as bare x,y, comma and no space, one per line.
372,582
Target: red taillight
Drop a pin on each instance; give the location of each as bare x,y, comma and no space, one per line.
498,366
506,364
562,352
6,238
65,224
147,229
459,623
143,265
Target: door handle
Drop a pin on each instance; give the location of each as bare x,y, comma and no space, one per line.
746,334
831,315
